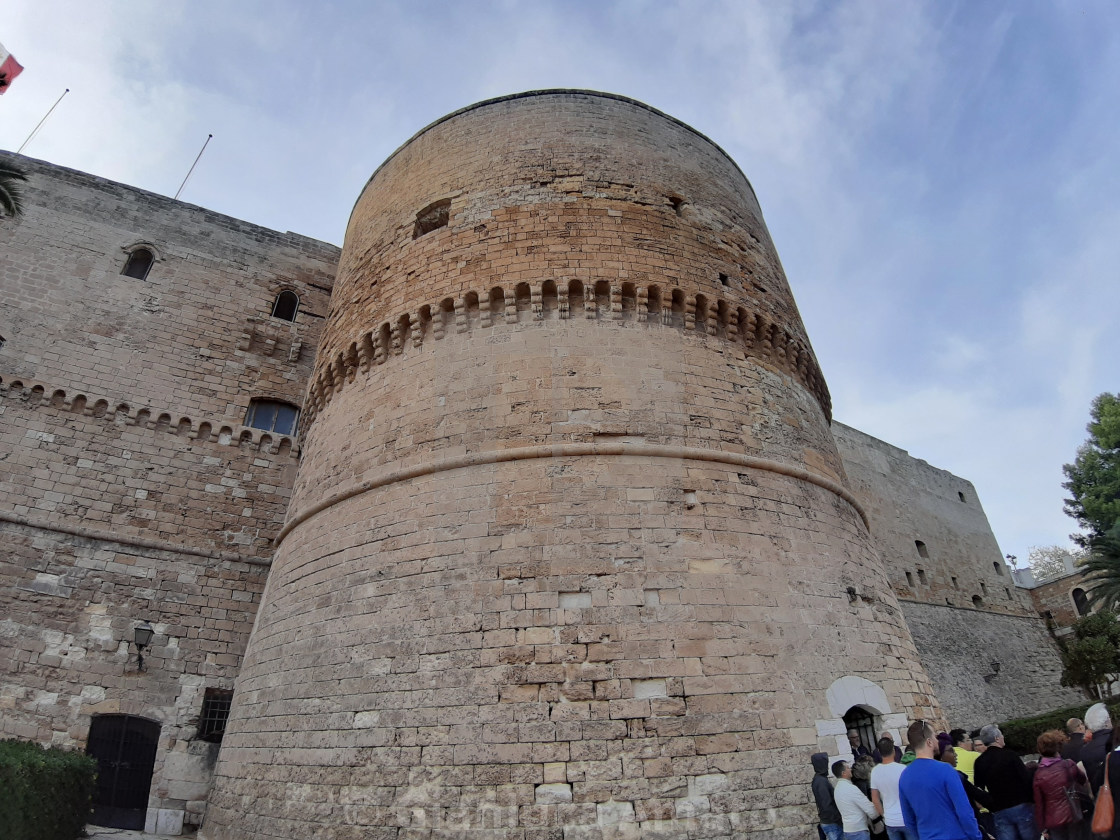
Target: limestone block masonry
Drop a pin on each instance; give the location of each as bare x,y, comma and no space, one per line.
130,489
571,551
981,640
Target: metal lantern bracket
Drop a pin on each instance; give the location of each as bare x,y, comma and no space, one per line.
142,637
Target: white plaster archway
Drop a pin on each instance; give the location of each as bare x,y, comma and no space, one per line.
841,696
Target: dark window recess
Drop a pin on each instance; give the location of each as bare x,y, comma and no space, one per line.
922,550
955,586
677,203
272,416
139,263
998,566
432,217
1008,592
922,577
723,279
910,580
1,341
863,722
977,601
285,306
960,495
215,713
1081,601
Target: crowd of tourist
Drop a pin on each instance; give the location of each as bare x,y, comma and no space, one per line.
957,786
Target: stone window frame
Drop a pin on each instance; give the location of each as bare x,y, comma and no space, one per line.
141,244
1073,600
258,399
280,292
841,696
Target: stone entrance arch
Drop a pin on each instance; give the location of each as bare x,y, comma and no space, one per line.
849,693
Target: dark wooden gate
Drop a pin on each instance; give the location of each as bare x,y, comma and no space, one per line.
125,749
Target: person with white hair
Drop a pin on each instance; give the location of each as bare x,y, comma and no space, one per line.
1093,751
1003,775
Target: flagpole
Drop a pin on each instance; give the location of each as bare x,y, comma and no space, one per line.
193,165
43,120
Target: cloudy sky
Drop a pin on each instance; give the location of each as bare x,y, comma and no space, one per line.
942,179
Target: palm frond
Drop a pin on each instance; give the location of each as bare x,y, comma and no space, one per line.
11,196
1102,570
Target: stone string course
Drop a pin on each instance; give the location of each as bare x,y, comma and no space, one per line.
34,393
758,337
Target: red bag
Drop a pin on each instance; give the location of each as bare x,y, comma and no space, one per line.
1106,808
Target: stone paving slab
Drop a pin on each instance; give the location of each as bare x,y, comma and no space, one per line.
100,832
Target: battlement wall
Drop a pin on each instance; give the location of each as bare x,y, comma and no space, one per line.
194,337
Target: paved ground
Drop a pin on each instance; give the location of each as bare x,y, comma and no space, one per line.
97,832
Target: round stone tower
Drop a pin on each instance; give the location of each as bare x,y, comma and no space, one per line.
570,551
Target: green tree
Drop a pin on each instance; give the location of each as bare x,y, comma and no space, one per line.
1049,561
1092,659
1094,475
11,196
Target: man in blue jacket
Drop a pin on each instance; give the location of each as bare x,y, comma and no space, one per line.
934,804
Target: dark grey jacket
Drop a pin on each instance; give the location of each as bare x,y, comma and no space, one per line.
827,812
1092,758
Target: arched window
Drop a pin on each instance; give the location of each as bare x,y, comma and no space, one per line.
922,550
285,306
272,416
138,264
1081,601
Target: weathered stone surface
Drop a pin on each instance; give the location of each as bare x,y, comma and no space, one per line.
597,537
129,489
961,605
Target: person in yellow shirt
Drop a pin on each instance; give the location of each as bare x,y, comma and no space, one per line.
966,756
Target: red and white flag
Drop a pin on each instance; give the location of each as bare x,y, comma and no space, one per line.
9,69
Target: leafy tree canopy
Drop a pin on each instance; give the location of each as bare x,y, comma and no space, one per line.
1094,475
1049,561
1092,658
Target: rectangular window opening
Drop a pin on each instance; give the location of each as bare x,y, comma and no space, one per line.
433,217
922,576
215,713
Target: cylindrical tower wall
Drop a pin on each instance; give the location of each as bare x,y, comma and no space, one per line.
570,544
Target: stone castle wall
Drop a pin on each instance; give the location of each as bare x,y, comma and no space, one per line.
960,649
572,546
963,609
129,488
578,558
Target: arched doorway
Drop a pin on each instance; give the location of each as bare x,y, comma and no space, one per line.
125,749
857,703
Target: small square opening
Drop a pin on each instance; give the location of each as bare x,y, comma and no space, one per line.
433,217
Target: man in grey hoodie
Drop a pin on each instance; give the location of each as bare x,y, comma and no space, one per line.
827,812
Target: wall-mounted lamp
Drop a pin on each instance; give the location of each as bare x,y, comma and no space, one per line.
142,638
